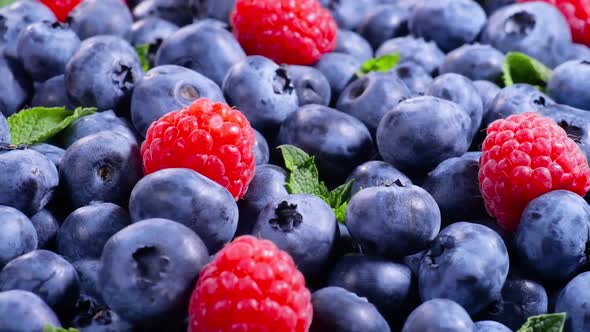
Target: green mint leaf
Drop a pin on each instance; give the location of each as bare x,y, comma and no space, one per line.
544,323
51,328
340,194
142,52
4,3
340,212
381,64
304,179
521,68
293,156
38,124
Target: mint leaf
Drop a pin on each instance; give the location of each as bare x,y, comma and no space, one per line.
381,64
36,125
303,178
51,328
4,3
142,52
521,68
544,323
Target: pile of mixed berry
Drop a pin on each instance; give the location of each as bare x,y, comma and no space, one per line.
294,166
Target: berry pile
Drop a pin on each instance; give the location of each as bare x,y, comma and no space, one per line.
294,165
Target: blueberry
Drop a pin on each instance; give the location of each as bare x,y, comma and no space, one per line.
46,226
413,261
168,88
454,186
476,62
93,124
260,149
517,98
371,96
217,9
103,73
106,320
406,213
449,23
521,298
553,234
267,185
349,14
575,52
460,90
339,141
262,90
15,18
27,180
385,284
22,311
414,76
101,167
4,130
302,225
375,173
151,31
17,87
311,85
567,84
44,48
420,133
204,48
189,198
340,69
487,92
88,275
350,42
336,309
345,244
491,326
52,152
537,29
574,121
45,274
101,17
175,11
458,266
574,300
85,232
17,234
383,23
491,6
52,93
440,315
423,53
148,271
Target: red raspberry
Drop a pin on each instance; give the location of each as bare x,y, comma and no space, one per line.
577,13
286,31
210,138
251,285
525,156
61,8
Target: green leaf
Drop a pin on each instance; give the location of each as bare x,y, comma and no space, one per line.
4,3
340,194
381,64
293,156
51,328
341,213
142,52
36,125
521,68
544,323
304,179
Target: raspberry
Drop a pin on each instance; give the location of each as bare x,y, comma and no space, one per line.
525,156
210,138
577,13
286,31
61,8
251,285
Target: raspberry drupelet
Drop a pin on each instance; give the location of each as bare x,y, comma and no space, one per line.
210,138
251,285
525,156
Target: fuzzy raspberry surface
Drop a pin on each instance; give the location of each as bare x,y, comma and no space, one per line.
525,156
210,138
251,285
285,31
577,13
61,8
